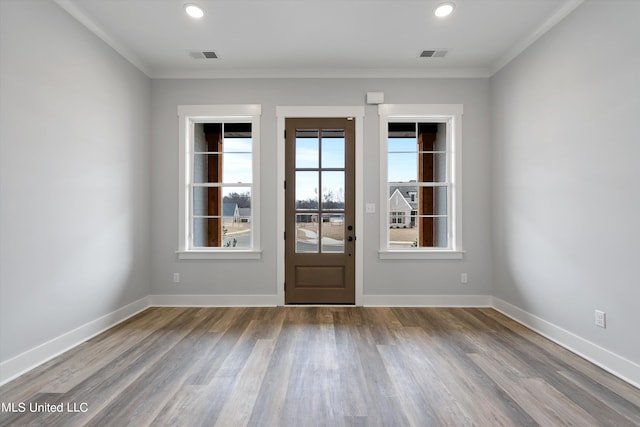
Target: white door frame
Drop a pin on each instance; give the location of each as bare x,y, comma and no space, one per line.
282,113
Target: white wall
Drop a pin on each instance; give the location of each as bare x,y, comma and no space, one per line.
380,277
74,177
566,160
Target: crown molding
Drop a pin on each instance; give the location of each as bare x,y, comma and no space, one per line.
259,73
72,9
515,51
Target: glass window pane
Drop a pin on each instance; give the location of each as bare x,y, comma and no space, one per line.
434,167
433,200
237,130
333,190
207,137
333,149
402,145
441,138
306,233
403,167
307,153
307,190
332,233
207,201
236,168
440,202
435,229
440,232
236,203
402,130
199,139
201,227
237,145
402,234
230,220
403,208
205,168
236,232
236,217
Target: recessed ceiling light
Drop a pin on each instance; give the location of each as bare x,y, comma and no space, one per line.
193,10
444,9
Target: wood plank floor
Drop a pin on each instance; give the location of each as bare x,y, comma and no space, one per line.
319,366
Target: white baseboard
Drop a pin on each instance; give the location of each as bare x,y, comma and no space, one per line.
368,300
426,300
214,300
617,365
20,364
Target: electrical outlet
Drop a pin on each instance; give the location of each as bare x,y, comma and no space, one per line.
601,319
464,279
176,277
371,208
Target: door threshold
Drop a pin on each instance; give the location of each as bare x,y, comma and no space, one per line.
318,305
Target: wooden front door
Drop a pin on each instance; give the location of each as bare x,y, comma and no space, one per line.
320,212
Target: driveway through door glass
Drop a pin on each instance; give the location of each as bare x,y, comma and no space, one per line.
320,214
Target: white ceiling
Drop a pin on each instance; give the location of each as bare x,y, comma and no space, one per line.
304,38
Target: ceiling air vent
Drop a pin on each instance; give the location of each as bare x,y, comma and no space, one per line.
199,54
434,53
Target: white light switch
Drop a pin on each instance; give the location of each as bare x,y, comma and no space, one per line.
371,208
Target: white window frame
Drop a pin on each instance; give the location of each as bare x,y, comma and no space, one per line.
451,115
189,115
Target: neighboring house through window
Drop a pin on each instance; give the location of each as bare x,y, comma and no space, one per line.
400,209
219,192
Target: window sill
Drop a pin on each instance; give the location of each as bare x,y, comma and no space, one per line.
222,254
420,254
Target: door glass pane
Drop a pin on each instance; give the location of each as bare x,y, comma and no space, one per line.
307,148
307,190
333,148
306,233
332,190
333,233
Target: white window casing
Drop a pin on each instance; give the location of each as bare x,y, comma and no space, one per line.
451,116
189,115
